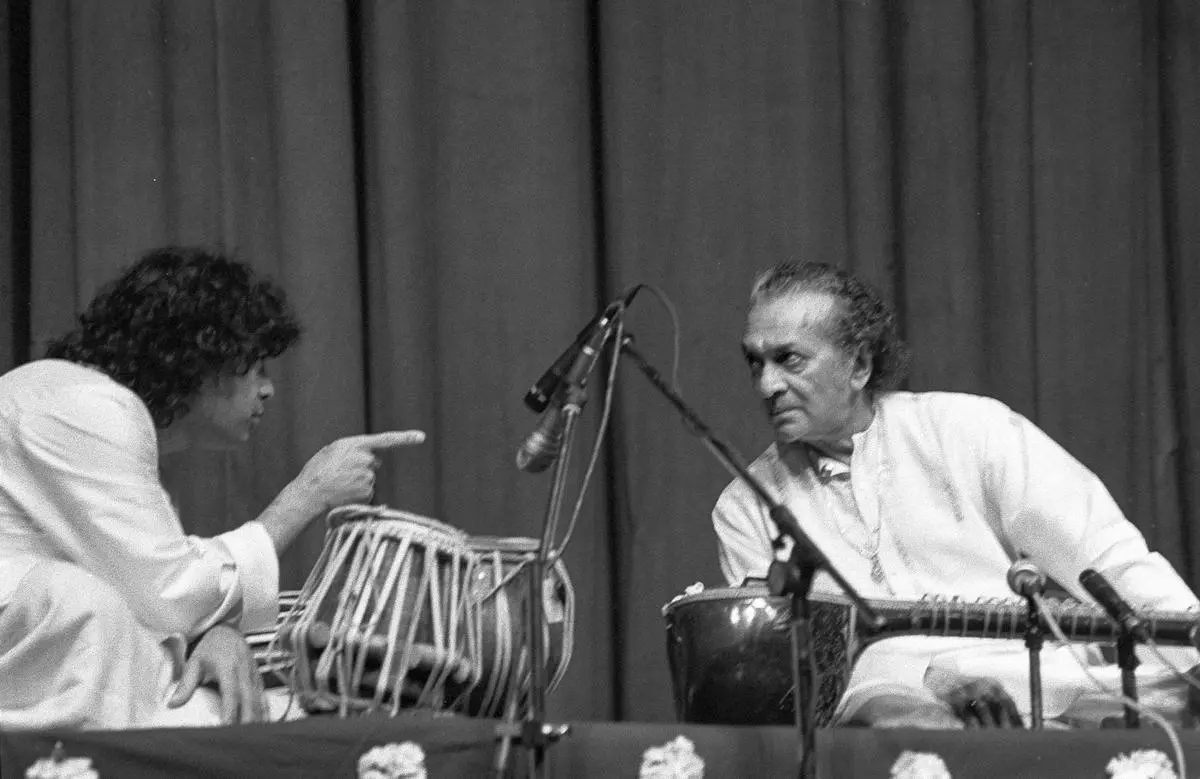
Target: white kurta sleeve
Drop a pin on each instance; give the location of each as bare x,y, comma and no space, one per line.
743,545
1058,513
86,469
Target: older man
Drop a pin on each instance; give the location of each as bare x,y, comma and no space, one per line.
100,589
915,494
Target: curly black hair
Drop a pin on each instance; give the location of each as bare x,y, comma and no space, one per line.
176,318
865,319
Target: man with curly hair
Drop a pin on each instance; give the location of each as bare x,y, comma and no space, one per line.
100,589
926,493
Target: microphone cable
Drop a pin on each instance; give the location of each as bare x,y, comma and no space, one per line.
609,388
597,445
1146,711
1170,664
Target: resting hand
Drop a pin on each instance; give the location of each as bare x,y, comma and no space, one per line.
223,658
983,703
344,471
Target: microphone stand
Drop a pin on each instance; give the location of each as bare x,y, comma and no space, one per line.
1128,661
793,577
1034,638
1129,630
534,733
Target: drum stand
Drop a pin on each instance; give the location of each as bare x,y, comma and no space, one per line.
793,577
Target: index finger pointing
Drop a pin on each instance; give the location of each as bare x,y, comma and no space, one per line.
389,439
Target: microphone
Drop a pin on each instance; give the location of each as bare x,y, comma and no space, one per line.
1026,579
1116,606
540,394
543,445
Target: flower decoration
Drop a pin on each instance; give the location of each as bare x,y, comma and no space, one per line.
59,766
393,761
919,765
674,760
1141,764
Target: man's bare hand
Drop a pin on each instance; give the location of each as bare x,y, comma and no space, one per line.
983,703
223,658
343,471
340,473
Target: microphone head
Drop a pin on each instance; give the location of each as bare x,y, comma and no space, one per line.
536,458
1025,578
1117,608
544,444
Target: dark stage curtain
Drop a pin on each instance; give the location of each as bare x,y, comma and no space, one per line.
449,189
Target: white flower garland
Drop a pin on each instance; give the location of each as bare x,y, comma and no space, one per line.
919,765
674,760
59,766
393,761
677,759
1141,764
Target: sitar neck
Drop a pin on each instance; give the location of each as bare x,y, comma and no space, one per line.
1007,618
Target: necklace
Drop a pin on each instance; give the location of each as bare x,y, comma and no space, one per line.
831,482
870,550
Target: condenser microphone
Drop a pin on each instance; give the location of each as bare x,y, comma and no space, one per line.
538,397
1116,606
1026,579
544,444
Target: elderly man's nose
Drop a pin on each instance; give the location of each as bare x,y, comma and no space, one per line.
770,381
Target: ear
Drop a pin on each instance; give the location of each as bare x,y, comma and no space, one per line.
860,371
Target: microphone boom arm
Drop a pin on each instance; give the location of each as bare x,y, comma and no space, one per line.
793,578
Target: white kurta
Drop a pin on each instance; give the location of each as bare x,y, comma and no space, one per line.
946,490
99,585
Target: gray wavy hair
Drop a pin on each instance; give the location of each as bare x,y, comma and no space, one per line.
862,318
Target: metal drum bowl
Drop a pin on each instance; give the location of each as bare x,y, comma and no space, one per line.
730,655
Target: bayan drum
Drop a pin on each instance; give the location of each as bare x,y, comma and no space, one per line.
385,619
730,655
273,660
501,588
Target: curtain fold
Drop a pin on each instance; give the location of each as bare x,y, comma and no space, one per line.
479,257
449,190
9,207
1179,118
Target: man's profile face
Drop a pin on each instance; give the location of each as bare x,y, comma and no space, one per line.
228,408
809,384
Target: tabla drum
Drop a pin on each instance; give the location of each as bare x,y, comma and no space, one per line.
730,655
501,588
385,620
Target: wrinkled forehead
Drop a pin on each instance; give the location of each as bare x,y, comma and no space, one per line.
779,320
